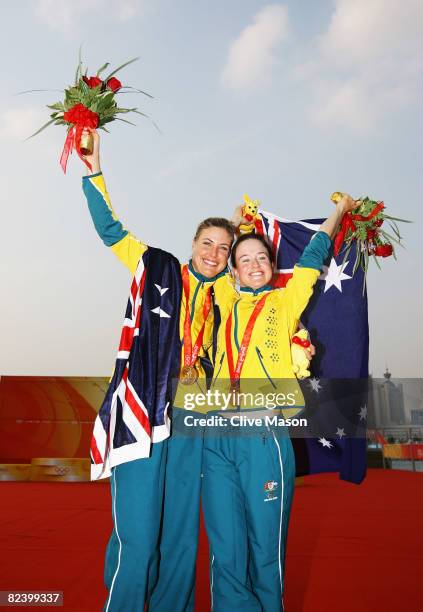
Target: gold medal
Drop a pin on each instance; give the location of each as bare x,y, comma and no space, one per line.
189,375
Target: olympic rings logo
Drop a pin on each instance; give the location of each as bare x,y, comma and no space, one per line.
61,470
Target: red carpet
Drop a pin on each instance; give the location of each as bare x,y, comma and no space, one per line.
351,548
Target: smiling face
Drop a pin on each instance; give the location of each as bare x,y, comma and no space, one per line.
210,251
253,267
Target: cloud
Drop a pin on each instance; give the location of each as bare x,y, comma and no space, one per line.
367,30
368,63
65,15
251,56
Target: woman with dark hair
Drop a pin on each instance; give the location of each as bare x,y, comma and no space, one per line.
248,472
259,238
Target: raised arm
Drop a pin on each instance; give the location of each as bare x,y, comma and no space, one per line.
124,245
299,288
331,225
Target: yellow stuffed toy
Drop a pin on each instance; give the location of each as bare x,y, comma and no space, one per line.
246,215
300,362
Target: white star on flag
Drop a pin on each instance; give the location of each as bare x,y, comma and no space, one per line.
334,274
363,413
158,310
340,432
161,290
314,384
325,442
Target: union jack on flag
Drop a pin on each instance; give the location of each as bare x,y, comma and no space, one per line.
135,409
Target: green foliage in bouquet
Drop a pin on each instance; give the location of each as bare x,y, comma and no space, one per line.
94,94
366,226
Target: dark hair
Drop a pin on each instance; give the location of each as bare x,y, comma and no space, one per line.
216,222
257,237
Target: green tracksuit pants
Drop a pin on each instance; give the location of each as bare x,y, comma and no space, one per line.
132,555
248,484
175,589
151,555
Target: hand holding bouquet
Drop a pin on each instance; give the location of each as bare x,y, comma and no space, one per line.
89,104
363,225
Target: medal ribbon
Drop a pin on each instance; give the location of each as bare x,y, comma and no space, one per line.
235,372
190,352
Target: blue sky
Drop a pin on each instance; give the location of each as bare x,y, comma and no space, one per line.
287,101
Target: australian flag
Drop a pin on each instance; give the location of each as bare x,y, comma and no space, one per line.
134,413
337,320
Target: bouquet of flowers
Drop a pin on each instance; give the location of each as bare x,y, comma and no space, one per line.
364,226
89,104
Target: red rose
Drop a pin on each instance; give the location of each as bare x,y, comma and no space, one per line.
378,222
92,82
383,250
371,233
114,84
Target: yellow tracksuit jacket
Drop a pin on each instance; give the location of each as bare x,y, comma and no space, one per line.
268,366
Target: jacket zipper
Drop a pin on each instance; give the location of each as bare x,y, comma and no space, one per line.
260,356
220,367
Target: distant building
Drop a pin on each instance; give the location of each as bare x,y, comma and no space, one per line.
416,417
386,404
392,400
372,405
